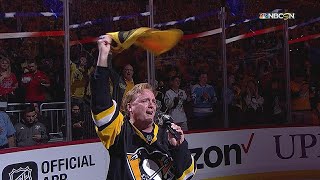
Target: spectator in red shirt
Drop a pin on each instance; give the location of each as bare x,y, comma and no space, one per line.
35,83
8,80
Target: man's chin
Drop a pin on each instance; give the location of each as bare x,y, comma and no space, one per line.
150,118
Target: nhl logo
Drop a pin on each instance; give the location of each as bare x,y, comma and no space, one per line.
21,171
21,174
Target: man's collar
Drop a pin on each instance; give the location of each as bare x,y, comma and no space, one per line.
154,132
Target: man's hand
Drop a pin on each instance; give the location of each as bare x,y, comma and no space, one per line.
104,49
43,82
173,141
175,102
36,137
78,124
206,96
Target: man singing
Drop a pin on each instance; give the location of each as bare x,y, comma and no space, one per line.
138,148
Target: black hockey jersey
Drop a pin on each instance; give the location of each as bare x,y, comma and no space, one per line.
135,155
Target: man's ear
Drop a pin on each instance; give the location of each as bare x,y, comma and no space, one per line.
129,107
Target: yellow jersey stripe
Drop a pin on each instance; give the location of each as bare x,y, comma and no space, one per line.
110,132
188,172
155,133
134,167
105,116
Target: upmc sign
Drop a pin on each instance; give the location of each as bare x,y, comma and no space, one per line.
218,154
297,146
253,151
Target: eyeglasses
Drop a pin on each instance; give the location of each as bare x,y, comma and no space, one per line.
128,69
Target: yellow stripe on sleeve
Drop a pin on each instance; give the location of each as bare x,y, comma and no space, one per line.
188,172
110,133
105,116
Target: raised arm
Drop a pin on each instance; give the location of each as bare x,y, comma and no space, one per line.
104,49
100,89
105,113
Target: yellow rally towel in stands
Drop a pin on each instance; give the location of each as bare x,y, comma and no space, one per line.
153,40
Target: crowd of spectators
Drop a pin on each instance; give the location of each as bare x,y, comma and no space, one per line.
32,69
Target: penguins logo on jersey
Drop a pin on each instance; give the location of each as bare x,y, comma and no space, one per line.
145,165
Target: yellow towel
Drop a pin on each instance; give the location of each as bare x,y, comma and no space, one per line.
153,40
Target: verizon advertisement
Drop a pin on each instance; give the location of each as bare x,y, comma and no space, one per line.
241,154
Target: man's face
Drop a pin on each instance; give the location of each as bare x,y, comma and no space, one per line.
36,107
143,107
251,86
176,82
30,117
32,67
203,79
128,72
75,110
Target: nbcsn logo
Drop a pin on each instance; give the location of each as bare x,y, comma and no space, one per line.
283,16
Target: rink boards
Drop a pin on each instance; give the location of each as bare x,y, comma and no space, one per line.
268,153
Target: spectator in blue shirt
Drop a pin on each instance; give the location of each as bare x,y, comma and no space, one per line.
204,97
7,131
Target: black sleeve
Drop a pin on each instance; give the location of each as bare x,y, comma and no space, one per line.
100,90
106,116
184,165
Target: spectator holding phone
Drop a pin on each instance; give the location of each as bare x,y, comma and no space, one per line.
30,131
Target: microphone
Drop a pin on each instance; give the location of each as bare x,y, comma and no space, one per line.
165,120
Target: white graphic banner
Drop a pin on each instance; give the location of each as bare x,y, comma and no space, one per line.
235,154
